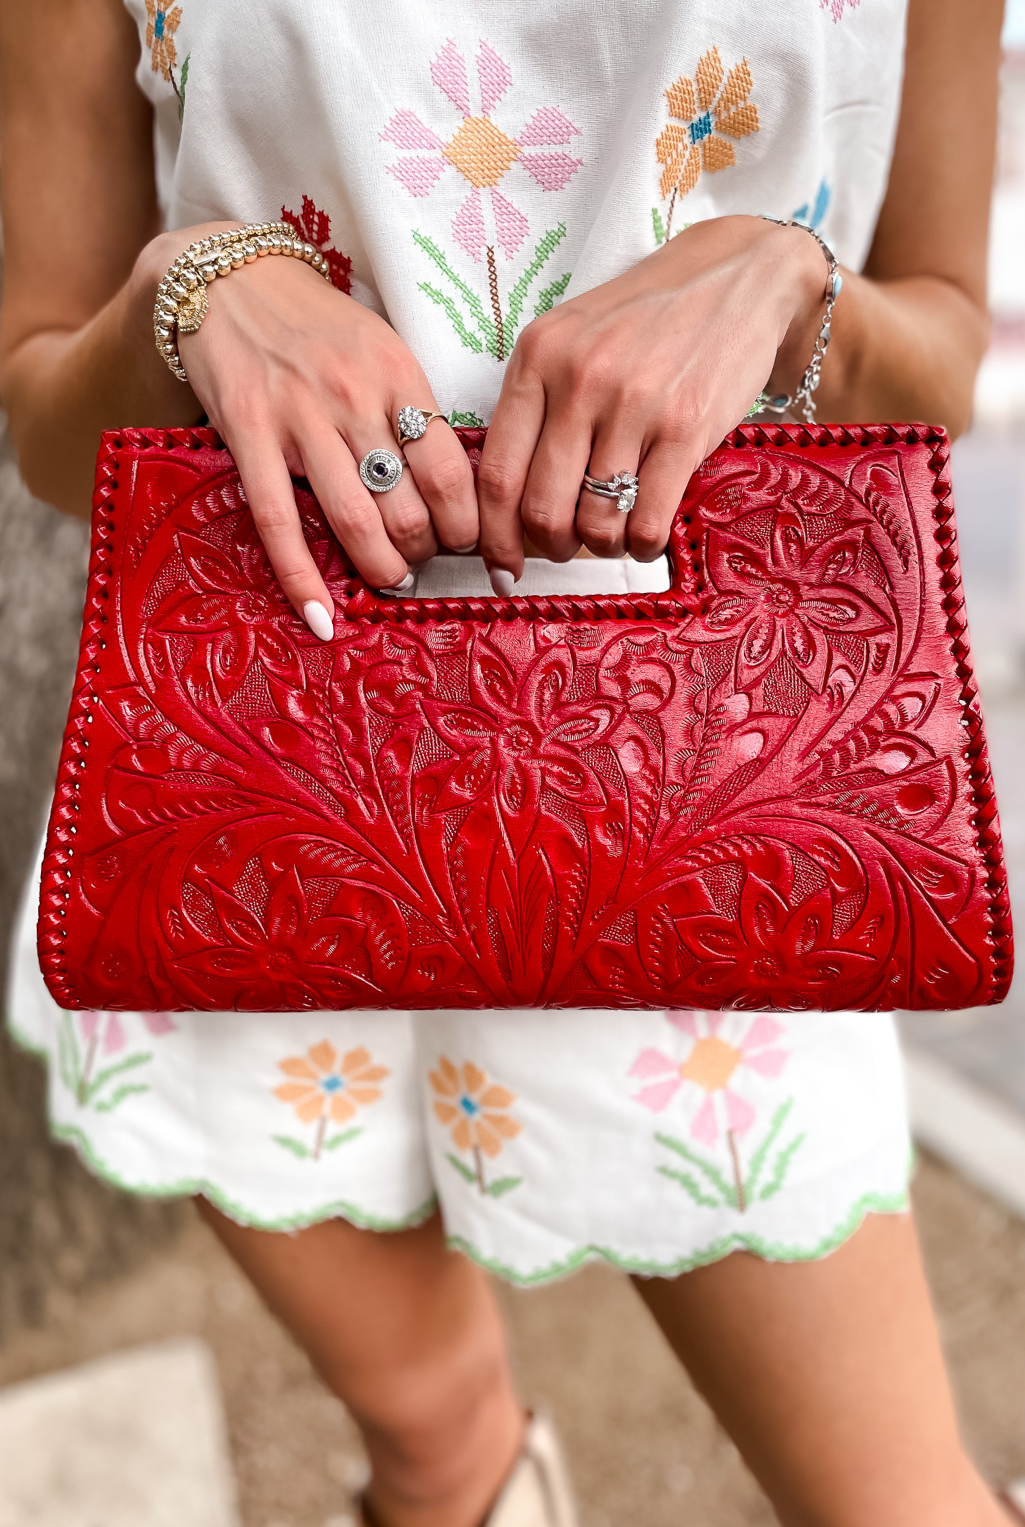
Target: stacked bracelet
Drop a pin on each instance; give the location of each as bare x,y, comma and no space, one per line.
181,296
803,392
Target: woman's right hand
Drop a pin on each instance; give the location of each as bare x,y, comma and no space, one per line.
301,380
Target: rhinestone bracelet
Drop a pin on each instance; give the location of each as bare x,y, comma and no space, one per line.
181,303
803,393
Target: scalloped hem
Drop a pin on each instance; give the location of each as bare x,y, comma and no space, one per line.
200,1187
767,1251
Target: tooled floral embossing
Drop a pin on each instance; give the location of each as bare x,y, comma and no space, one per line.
790,598
759,804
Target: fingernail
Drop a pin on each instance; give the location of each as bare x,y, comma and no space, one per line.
318,620
502,581
462,551
400,588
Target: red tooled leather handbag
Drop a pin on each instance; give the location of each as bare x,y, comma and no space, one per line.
766,788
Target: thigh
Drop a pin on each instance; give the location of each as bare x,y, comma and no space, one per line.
829,1376
369,1308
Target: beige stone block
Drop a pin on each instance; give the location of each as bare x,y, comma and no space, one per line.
135,1439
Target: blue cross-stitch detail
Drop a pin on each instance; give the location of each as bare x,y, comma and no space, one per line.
468,1106
158,24
823,196
332,1084
701,127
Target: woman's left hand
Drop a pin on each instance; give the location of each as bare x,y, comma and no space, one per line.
646,375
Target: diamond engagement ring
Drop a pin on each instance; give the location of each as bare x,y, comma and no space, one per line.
622,487
380,470
413,423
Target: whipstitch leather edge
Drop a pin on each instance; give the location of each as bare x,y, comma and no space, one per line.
116,450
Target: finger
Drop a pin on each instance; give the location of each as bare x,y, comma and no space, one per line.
406,518
601,525
352,511
554,482
442,472
502,476
271,497
662,482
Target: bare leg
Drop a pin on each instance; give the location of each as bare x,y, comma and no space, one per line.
829,1377
406,1333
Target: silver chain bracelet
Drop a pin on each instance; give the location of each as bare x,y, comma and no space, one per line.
803,393
181,296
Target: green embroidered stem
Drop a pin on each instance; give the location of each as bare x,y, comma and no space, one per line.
710,1170
109,1072
546,301
461,1168
469,340
781,1168
469,296
546,247
658,225
704,1200
738,1176
503,1186
758,1160
107,1105
181,93
465,421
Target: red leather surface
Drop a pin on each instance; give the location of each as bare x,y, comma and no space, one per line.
765,788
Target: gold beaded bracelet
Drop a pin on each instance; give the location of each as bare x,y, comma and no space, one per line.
181,296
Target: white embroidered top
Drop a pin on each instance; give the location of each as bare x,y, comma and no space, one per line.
464,167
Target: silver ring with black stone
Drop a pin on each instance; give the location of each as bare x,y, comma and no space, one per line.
380,470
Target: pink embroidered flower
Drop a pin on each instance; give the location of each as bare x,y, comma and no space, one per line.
711,1066
837,6
481,151
106,1032
103,1031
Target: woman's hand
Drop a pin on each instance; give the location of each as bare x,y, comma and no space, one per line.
645,374
301,380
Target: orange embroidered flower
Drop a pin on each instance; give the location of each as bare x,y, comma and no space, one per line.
714,102
161,25
326,1087
471,1106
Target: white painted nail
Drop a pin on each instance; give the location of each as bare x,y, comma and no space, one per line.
318,620
462,551
502,581
400,588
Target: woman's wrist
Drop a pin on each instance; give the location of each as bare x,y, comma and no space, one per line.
797,345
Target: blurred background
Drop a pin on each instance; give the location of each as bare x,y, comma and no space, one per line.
140,1381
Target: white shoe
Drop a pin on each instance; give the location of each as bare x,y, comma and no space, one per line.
538,1492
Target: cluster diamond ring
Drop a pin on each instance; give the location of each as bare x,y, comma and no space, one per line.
413,423
622,487
380,470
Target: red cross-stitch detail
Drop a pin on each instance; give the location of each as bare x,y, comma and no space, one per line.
314,226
